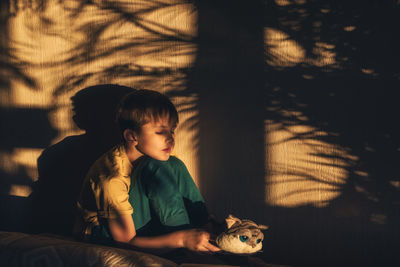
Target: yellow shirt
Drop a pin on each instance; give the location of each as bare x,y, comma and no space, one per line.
105,192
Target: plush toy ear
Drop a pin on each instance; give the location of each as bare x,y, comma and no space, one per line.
231,220
263,227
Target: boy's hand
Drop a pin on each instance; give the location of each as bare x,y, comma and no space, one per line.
197,240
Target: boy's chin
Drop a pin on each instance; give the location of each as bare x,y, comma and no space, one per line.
161,158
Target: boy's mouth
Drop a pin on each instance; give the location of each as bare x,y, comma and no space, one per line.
167,150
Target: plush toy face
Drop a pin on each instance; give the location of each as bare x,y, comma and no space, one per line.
241,237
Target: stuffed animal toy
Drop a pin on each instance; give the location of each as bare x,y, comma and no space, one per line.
241,236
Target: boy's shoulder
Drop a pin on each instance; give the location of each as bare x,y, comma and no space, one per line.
113,163
154,164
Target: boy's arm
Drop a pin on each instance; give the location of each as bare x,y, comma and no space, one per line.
123,230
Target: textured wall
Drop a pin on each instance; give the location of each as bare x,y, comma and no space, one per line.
62,47
288,109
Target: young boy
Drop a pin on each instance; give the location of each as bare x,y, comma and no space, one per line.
137,193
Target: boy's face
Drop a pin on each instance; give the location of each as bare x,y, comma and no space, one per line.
156,139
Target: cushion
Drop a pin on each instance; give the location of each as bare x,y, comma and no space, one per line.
20,249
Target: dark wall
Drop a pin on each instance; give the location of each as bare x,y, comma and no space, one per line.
353,101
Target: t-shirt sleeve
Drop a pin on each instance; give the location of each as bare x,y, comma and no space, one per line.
114,198
172,191
185,181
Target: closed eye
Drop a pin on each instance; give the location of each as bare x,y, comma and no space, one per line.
166,132
162,132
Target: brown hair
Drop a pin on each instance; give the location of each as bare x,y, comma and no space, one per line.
142,106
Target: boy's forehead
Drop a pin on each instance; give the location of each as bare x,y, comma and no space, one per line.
161,122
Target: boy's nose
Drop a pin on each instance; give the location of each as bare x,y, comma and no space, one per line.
171,139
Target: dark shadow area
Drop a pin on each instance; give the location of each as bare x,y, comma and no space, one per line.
15,210
25,127
226,88
20,128
228,76
354,102
63,166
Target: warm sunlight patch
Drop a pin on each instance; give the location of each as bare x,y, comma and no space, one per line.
26,158
378,218
301,169
289,2
349,28
324,54
20,190
361,173
187,135
283,2
19,167
395,184
308,77
367,71
282,51
7,164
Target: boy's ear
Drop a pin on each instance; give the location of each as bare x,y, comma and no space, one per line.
129,135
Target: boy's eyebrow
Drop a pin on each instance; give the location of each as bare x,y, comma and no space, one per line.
165,126
161,126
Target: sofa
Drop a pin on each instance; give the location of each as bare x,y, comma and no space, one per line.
19,249
22,249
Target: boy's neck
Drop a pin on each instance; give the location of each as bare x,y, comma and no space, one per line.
132,153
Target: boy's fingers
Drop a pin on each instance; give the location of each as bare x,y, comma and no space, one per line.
204,249
206,235
211,247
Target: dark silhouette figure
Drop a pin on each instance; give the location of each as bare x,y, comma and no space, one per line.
63,166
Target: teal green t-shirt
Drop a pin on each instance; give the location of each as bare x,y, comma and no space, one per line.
164,196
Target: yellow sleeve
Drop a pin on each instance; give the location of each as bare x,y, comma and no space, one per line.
114,198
